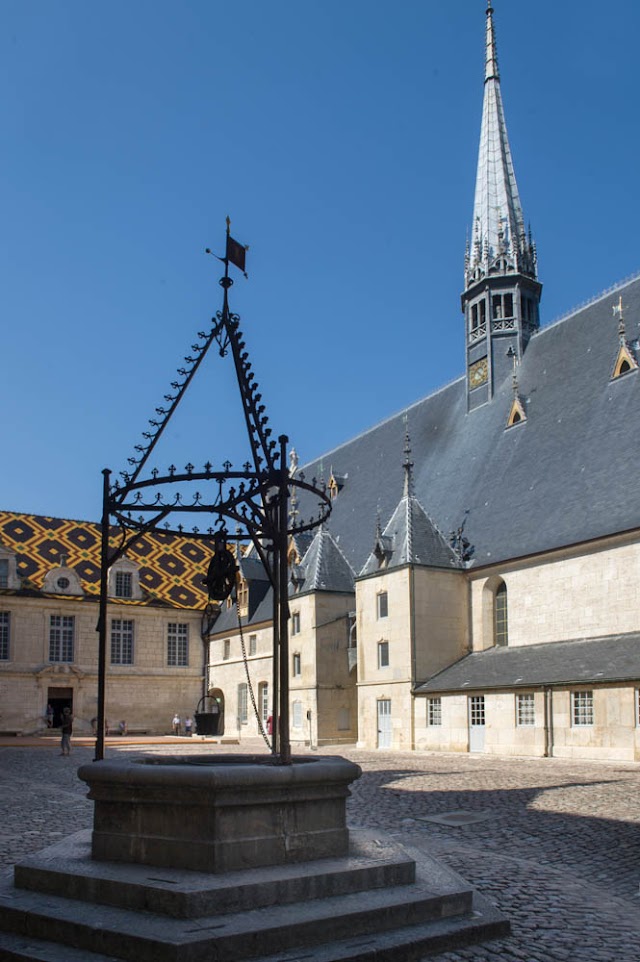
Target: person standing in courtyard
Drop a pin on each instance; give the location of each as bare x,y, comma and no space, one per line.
176,724
66,725
188,726
49,716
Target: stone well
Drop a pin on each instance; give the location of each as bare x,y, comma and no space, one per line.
219,814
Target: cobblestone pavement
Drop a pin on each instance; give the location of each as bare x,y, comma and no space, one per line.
557,849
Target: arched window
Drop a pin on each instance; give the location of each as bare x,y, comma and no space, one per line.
500,617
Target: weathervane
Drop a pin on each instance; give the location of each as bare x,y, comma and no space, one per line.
255,498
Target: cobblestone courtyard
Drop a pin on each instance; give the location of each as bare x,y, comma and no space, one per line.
555,844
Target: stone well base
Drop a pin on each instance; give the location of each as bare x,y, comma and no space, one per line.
213,814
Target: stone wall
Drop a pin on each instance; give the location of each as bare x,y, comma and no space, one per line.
146,694
577,593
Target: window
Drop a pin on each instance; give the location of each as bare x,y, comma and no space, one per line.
581,708
63,583
253,644
61,631
178,644
124,584
478,316
243,705
502,306
243,593
382,602
295,623
124,579
500,615
525,710
297,664
383,654
263,701
226,649
121,642
4,573
434,711
476,710
4,635
296,714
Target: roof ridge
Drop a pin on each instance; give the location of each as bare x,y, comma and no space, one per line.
618,286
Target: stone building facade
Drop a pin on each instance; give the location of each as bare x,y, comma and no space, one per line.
475,588
49,584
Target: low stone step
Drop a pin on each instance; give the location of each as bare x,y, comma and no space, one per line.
21,948
146,937
66,869
407,944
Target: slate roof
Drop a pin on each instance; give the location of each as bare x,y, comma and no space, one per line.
324,567
171,568
411,537
596,660
565,475
260,610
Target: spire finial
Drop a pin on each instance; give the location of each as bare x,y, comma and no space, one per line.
491,66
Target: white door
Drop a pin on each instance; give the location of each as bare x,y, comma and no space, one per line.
476,723
384,723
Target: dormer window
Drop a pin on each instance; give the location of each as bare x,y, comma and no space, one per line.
625,363
243,593
336,484
517,414
62,581
124,580
8,569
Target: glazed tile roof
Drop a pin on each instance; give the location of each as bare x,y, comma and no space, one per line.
595,660
171,568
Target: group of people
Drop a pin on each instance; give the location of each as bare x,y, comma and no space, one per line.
177,725
65,725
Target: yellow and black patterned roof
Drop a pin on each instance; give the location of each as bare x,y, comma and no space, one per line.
171,568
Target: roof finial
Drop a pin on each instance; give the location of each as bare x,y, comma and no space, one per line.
408,463
618,311
514,377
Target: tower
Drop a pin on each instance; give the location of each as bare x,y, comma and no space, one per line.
502,293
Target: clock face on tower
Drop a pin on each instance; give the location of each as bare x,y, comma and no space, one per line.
478,373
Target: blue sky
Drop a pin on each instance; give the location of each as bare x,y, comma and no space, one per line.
341,138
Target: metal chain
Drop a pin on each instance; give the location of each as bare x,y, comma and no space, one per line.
249,685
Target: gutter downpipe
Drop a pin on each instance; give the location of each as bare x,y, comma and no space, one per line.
412,641
548,722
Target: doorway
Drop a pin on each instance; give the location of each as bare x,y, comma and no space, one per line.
59,699
384,723
476,723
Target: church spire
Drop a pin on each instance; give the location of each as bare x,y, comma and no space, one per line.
498,229
502,292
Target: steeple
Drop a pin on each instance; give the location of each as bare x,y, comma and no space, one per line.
502,293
